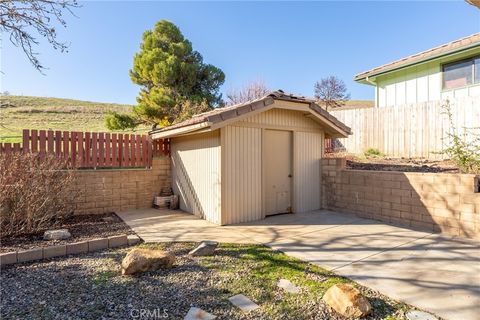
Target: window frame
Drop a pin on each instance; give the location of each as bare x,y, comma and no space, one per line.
473,72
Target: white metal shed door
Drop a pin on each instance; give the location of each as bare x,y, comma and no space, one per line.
278,171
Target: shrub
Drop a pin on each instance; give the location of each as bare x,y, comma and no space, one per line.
372,152
35,193
463,150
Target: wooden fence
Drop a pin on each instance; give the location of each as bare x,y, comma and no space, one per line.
91,149
416,130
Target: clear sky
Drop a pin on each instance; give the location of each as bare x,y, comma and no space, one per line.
289,45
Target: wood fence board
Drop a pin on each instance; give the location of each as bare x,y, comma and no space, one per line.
91,150
413,130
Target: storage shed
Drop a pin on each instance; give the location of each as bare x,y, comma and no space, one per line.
244,162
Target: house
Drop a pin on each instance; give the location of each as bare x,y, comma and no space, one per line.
450,71
244,162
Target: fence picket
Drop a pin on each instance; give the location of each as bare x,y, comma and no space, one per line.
26,140
114,151
412,130
90,150
94,150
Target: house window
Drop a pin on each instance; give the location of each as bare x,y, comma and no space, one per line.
477,70
461,73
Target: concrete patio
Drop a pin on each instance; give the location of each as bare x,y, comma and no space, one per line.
435,273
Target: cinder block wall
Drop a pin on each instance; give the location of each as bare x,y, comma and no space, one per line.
105,190
437,202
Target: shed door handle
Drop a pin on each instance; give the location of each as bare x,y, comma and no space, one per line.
289,175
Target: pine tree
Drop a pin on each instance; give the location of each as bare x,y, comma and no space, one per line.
175,82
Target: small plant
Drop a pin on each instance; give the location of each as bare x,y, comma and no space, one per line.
373,152
36,193
465,153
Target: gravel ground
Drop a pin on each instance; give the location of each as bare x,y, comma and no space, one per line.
90,287
82,227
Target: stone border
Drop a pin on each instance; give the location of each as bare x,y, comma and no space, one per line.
68,249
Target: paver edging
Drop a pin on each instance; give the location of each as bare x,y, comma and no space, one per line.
61,250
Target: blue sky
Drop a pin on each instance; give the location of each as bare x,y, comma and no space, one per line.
289,45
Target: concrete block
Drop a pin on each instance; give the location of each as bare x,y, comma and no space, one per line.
117,241
8,258
97,244
30,255
77,247
54,251
133,239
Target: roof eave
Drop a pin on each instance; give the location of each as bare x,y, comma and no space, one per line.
362,78
179,131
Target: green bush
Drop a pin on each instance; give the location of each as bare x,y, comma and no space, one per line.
465,153
372,152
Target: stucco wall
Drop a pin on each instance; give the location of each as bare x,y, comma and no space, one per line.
435,202
105,190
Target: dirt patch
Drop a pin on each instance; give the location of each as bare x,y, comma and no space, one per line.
82,227
402,165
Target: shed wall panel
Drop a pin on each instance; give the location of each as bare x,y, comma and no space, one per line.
283,118
196,174
307,153
242,174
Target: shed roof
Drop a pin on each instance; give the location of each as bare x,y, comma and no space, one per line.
219,116
437,52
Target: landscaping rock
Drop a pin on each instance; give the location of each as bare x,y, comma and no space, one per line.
133,239
198,314
242,302
419,315
60,234
347,301
144,260
288,286
206,248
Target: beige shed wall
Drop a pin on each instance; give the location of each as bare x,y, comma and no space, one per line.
196,174
242,192
242,175
281,118
307,149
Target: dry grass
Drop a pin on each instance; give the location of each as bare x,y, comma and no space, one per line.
24,112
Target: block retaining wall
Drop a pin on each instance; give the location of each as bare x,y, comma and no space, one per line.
437,202
110,190
61,250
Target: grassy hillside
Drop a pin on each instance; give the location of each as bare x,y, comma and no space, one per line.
23,112
357,104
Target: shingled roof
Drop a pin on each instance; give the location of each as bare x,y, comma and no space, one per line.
447,48
220,115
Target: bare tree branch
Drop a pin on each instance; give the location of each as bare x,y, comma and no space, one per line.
253,90
331,92
23,18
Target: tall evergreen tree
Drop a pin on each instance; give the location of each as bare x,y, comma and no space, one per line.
175,82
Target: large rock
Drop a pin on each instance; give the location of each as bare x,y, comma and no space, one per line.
206,248
144,260
347,301
59,234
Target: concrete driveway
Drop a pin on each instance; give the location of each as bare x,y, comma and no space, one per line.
435,273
